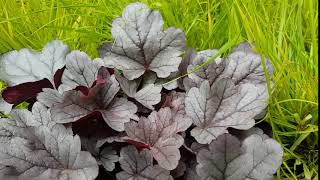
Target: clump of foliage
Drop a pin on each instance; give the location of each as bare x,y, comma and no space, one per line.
87,113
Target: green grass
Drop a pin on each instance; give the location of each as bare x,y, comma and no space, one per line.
285,31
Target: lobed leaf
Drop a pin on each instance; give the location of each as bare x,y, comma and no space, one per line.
36,149
228,158
223,105
158,133
141,45
101,98
243,65
26,65
106,156
80,70
139,166
148,95
210,72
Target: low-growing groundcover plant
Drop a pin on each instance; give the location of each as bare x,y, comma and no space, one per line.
116,117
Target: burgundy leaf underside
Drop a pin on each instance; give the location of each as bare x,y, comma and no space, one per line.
138,145
22,92
57,77
29,90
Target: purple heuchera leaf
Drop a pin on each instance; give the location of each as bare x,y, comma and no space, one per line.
191,173
179,170
36,149
139,166
175,101
214,109
19,93
141,45
101,98
159,133
58,76
256,157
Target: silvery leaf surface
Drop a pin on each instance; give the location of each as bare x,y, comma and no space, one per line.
158,133
25,65
139,166
229,158
38,150
242,65
140,44
101,98
148,95
223,104
80,70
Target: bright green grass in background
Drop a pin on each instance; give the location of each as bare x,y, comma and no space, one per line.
285,31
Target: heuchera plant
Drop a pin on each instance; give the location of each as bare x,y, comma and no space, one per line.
116,113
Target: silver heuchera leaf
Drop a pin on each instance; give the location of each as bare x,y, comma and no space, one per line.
242,135
140,44
214,109
6,173
41,115
107,157
243,65
101,98
168,82
196,147
243,47
44,152
210,72
4,106
263,157
139,166
175,79
159,133
49,97
118,113
22,66
230,159
22,124
148,95
214,161
80,70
